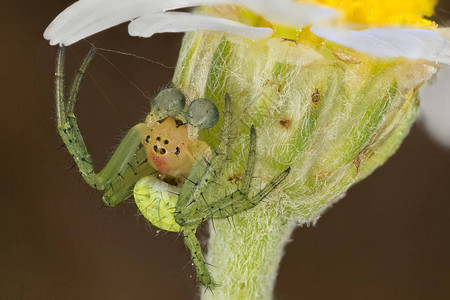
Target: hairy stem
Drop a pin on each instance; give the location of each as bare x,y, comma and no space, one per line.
245,254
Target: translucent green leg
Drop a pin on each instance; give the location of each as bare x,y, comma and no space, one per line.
203,173
122,188
195,213
238,201
128,162
193,245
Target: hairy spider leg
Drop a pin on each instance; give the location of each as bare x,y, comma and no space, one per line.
156,200
226,207
192,208
122,188
237,201
128,163
198,260
198,179
203,172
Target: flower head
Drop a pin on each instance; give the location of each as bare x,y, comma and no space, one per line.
379,28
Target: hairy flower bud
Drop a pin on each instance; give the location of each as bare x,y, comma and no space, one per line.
330,113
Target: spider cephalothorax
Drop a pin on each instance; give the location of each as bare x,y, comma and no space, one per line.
172,143
163,163
169,149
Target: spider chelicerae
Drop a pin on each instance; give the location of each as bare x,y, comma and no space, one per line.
163,163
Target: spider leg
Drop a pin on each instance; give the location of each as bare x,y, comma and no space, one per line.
122,188
239,200
120,171
203,173
193,245
251,160
235,203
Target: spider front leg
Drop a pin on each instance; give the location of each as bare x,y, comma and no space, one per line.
128,163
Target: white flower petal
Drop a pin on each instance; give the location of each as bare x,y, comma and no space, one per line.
435,107
390,42
87,17
146,26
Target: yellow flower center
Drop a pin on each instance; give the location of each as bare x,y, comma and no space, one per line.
383,12
356,14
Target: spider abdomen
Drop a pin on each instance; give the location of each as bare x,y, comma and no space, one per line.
156,200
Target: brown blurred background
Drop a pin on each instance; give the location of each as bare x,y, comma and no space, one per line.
388,239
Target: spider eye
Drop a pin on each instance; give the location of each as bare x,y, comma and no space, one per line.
202,113
169,102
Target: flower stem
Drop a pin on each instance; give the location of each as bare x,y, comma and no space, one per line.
245,254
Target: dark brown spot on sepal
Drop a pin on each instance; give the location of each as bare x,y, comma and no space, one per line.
234,178
315,97
286,123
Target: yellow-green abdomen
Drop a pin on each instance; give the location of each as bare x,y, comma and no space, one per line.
157,200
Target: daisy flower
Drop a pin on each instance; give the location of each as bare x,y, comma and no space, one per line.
331,87
330,19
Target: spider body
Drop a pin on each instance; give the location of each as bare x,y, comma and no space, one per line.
169,149
164,164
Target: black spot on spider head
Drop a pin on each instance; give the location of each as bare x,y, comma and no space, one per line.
155,148
166,142
162,151
147,139
178,122
177,150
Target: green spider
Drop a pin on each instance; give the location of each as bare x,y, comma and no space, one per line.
163,163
